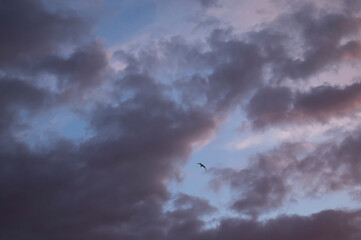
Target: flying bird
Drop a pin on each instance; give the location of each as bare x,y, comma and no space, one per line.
201,165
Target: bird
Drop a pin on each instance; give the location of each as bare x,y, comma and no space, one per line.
201,165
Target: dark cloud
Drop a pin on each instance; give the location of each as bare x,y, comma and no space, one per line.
19,97
45,42
258,189
320,32
114,184
229,70
239,69
307,41
185,220
83,68
290,171
223,74
334,166
113,180
352,6
29,30
274,106
330,225
263,194
269,106
326,101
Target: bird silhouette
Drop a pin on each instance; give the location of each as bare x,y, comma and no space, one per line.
201,165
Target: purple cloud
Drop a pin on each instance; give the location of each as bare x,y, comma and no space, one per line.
277,106
115,184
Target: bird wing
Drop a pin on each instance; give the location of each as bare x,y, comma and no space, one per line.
200,164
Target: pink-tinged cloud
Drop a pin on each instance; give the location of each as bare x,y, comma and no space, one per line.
276,106
115,183
292,170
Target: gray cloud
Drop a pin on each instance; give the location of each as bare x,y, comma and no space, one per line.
329,225
16,97
320,33
114,184
113,179
292,170
85,67
29,31
307,41
275,106
269,106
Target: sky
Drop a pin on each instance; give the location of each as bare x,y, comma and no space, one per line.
107,107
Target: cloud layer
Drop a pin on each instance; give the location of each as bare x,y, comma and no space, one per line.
145,125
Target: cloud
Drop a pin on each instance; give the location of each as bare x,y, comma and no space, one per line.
85,67
308,40
205,4
29,30
280,106
269,105
292,170
185,220
330,225
16,97
115,183
112,179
